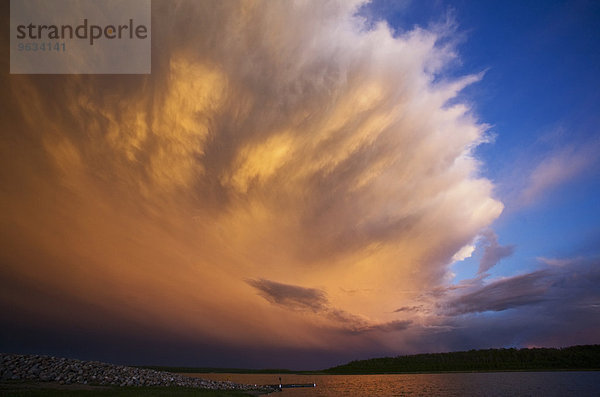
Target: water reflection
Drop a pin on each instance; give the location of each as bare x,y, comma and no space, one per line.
452,384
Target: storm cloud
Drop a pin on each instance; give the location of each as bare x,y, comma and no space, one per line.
553,306
573,285
280,154
503,294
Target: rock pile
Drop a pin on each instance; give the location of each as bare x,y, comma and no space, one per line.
68,371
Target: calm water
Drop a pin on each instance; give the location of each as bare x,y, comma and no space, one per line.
456,384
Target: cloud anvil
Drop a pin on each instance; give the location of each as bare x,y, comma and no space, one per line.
290,177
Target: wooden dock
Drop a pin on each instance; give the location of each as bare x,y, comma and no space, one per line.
292,385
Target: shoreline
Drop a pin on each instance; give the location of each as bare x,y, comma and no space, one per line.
290,372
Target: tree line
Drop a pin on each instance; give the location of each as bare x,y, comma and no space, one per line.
584,357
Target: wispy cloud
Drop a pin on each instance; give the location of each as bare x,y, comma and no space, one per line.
552,306
502,295
558,261
559,167
408,309
493,252
569,286
291,296
310,299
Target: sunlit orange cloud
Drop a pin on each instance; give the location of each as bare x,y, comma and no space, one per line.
285,177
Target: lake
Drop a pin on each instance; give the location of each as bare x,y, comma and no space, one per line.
449,384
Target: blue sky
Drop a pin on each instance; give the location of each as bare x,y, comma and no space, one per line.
540,93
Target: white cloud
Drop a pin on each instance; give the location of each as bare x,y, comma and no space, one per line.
463,253
274,140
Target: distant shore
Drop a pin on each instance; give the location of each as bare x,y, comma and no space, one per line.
573,358
192,370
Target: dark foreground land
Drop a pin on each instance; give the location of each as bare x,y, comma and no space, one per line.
30,375
31,389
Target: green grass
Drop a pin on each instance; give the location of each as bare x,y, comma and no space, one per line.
22,389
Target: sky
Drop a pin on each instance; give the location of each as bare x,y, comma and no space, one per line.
301,184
